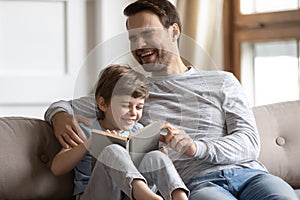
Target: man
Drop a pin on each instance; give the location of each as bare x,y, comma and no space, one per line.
211,132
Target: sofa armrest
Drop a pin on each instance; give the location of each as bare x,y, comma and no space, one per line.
27,147
279,128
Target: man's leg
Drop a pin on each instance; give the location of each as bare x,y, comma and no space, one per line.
210,191
267,187
211,186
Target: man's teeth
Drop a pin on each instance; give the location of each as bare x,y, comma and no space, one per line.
147,53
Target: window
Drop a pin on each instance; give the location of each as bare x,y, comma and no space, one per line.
270,71
263,6
263,37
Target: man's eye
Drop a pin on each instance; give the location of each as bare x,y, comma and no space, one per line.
148,33
132,38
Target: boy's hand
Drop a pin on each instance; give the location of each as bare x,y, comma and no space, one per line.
178,140
114,132
67,129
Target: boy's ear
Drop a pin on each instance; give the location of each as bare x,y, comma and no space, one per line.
101,104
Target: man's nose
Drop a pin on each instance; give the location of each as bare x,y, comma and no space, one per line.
140,43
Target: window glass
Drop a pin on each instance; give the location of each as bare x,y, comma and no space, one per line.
270,71
262,6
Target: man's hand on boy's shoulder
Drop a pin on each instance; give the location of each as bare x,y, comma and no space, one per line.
67,129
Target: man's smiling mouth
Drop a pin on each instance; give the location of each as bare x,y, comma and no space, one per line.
147,53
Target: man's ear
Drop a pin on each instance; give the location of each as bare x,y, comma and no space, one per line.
101,104
176,31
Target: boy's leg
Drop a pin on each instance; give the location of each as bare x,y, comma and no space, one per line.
101,186
158,169
114,171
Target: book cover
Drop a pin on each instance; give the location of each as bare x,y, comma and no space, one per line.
137,144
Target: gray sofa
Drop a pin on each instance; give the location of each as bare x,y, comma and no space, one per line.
27,147
279,128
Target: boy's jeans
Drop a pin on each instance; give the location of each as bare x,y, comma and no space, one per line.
115,171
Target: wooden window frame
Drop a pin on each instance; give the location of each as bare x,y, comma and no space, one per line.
239,28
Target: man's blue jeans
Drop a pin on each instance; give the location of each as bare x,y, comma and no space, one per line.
242,184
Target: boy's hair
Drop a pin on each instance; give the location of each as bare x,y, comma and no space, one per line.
116,80
164,9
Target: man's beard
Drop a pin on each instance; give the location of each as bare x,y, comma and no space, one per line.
162,62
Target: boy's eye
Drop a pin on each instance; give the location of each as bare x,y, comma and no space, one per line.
125,106
139,107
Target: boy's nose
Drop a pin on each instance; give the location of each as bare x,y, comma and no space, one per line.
132,111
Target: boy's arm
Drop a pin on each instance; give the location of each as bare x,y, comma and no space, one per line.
67,159
65,115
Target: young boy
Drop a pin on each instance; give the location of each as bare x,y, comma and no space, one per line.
120,94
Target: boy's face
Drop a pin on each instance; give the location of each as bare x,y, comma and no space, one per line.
151,44
124,112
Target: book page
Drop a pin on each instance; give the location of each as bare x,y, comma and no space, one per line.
145,141
137,144
101,139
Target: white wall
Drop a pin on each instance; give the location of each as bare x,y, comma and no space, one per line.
111,42
54,49
45,46
42,46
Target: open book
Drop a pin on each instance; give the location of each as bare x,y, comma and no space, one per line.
137,144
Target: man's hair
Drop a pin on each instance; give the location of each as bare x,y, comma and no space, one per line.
164,9
116,80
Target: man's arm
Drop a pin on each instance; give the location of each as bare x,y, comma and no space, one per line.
241,142
65,115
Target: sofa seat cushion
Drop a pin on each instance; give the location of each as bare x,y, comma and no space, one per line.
279,128
27,147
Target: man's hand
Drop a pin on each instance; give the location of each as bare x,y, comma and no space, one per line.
178,140
67,129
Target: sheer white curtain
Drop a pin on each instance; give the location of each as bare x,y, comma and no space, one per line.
202,32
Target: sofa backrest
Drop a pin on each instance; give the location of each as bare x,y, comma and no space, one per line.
27,147
279,128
